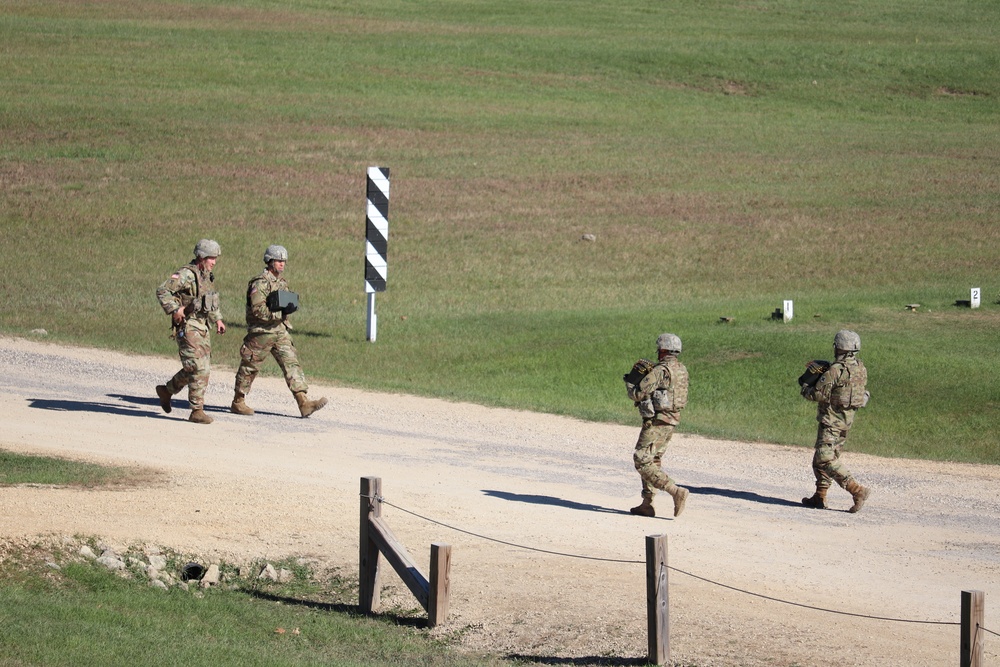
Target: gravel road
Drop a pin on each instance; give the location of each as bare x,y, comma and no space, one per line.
273,485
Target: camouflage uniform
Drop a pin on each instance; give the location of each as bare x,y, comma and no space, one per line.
670,377
193,291
839,392
267,332
835,417
660,396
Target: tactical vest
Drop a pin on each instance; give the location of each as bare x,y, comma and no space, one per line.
270,283
203,299
849,391
674,396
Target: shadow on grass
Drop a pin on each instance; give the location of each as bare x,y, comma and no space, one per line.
335,607
551,500
741,495
293,332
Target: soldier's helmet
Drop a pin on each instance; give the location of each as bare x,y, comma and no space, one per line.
207,248
275,252
848,341
669,342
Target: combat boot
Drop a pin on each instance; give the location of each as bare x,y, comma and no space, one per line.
818,500
858,493
645,509
680,496
307,407
198,416
164,395
239,406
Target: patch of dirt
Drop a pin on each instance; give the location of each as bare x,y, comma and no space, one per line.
483,480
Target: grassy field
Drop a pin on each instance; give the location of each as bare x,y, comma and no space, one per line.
79,612
726,155
23,469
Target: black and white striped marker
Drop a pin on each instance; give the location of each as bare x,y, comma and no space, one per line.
376,240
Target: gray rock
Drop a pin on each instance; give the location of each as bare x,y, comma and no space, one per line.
111,562
211,577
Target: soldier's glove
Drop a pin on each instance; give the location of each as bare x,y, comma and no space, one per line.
639,371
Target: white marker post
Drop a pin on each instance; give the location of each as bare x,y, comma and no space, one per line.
376,240
787,311
974,297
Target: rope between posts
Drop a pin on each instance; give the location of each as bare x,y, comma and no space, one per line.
382,500
989,631
510,544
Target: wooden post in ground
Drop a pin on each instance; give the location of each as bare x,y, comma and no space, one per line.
440,584
369,586
971,641
657,600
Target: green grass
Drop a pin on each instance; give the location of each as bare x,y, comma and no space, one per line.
726,155
48,470
84,614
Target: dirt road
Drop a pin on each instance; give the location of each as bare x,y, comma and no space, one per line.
274,485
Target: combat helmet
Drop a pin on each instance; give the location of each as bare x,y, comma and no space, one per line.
207,248
275,252
669,342
848,341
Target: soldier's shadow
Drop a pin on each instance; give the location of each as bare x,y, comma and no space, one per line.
181,404
59,405
293,332
550,500
741,495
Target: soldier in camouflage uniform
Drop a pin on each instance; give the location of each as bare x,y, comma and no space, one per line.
267,332
190,298
840,391
659,396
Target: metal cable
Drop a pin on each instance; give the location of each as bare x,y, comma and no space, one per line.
510,544
382,499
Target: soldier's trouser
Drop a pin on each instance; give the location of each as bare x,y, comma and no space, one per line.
256,347
826,459
194,346
649,449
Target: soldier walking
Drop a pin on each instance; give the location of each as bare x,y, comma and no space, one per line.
840,391
660,396
190,298
268,305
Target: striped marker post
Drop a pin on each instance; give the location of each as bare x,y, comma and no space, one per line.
376,240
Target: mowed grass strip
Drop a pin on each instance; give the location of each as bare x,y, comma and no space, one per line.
725,155
78,612
18,469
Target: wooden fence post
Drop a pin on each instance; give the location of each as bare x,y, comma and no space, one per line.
971,641
440,584
377,540
657,599
369,586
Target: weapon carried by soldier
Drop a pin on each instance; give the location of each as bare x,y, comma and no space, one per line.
639,371
814,370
